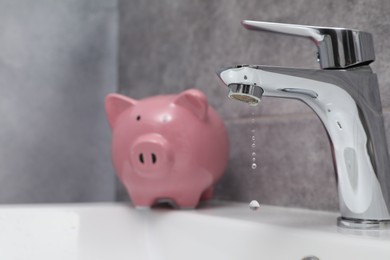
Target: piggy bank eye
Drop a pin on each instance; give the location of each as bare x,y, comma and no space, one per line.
138,117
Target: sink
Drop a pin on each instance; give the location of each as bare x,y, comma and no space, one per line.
217,230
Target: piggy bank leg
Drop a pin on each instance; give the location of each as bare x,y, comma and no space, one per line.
141,202
188,201
207,194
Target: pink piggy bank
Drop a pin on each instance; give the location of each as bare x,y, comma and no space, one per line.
168,147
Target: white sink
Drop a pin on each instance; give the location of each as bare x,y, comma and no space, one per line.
220,230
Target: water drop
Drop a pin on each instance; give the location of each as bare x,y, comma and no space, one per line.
253,145
253,154
253,138
254,166
254,205
253,159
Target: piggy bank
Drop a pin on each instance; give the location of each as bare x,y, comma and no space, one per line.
167,147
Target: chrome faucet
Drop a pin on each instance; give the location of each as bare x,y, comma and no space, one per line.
344,94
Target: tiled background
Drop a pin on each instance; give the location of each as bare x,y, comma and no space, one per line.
57,62
169,46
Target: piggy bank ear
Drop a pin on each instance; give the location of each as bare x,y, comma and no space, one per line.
115,104
193,100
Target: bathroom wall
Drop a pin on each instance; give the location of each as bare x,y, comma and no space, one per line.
168,46
57,62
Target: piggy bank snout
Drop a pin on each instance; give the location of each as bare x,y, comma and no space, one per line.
151,154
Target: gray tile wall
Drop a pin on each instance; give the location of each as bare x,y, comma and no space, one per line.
169,46
57,62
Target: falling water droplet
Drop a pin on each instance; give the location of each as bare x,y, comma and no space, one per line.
254,205
253,165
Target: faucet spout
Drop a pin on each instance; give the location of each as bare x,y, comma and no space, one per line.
348,104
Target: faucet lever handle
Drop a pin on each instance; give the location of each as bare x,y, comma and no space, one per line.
338,48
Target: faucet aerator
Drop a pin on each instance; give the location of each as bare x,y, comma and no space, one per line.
250,94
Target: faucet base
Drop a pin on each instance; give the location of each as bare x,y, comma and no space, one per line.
363,223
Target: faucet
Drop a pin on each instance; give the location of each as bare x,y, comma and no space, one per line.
344,94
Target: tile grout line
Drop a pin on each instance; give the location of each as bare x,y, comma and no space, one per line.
270,117
280,116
